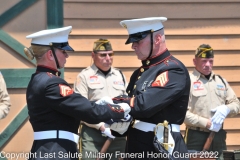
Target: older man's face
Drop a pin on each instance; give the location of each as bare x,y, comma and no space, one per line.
103,59
142,47
203,65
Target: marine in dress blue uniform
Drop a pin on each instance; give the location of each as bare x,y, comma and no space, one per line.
157,91
55,110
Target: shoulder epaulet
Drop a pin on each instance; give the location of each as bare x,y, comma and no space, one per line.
83,71
50,74
192,76
86,68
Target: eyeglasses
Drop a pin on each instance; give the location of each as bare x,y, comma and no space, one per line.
103,55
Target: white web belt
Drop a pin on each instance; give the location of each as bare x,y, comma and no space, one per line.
52,134
147,127
159,132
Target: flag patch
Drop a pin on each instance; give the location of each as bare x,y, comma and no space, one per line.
94,80
161,80
198,85
65,90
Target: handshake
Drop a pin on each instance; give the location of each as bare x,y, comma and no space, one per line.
118,125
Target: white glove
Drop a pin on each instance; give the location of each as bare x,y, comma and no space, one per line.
121,126
215,127
221,113
108,133
125,107
128,118
105,100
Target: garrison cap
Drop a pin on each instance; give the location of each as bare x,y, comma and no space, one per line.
102,45
138,29
57,38
204,51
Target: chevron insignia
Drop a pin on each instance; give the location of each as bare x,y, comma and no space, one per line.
65,90
161,80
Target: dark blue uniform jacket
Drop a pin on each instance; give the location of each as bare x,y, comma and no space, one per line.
158,91
53,105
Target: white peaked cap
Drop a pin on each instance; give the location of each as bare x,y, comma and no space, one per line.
143,24
45,37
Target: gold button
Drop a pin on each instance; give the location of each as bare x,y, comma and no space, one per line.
128,91
147,62
139,77
134,86
142,70
113,108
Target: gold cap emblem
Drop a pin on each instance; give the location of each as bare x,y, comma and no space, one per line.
124,25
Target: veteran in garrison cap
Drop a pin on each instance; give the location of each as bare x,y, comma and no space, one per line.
158,92
204,51
55,110
102,45
99,80
211,100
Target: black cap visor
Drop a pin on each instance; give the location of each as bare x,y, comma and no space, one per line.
137,36
62,46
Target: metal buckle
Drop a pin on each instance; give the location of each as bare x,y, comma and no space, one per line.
164,124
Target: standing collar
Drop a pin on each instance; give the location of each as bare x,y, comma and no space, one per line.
156,59
42,68
197,74
95,69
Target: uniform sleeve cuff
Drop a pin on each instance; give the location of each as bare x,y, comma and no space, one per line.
131,102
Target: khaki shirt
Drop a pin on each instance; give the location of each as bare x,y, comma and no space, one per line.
93,84
4,98
207,94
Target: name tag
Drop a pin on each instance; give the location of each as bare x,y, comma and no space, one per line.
220,87
118,83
